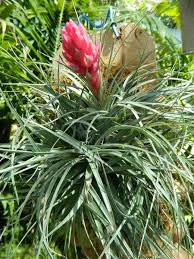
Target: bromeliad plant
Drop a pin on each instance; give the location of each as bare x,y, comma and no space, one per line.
98,177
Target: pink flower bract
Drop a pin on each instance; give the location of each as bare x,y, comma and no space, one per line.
81,54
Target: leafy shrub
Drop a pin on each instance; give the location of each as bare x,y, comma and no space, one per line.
100,176
100,170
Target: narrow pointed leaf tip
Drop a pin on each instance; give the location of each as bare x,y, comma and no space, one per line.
81,54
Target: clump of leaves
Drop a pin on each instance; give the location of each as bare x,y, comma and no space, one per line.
100,174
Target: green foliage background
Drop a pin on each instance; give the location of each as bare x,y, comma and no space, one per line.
29,38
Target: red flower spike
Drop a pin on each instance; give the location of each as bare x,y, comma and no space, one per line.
81,54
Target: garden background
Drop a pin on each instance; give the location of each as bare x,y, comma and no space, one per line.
29,39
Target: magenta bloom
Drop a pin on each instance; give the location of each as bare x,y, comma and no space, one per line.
81,54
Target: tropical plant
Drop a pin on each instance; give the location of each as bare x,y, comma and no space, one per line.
108,176
101,174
